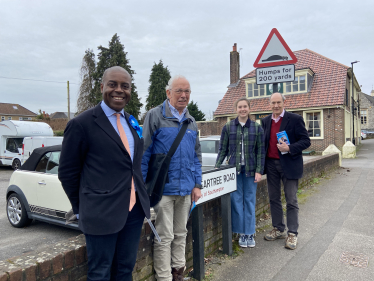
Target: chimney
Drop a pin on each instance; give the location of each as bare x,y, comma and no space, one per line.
234,65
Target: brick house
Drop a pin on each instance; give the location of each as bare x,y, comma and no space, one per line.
321,94
12,111
367,111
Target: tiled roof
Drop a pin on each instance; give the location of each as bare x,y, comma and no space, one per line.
328,87
61,115
369,98
15,109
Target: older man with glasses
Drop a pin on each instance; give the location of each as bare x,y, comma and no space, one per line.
160,129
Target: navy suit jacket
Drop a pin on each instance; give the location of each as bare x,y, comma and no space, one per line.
95,171
292,162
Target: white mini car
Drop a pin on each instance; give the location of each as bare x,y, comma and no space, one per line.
35,192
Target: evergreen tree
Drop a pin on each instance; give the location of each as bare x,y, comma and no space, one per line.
195,112
86,98
116,56
158,80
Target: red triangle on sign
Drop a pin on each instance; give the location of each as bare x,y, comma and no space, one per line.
275,52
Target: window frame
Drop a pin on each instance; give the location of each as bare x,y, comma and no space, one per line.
293,84
301,72
322,127
364,116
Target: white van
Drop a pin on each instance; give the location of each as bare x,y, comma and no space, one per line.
12,134
30,143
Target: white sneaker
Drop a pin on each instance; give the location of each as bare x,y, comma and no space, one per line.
243,241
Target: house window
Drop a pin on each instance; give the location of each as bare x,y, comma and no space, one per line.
9,117
269,88
314,124
255,90
2,118
364,114
21,118
299,85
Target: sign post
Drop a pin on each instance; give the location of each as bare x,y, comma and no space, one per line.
216,183
275,62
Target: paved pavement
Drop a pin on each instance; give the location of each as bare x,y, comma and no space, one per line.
336,218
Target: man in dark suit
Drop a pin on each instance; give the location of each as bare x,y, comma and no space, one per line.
284,163
100,171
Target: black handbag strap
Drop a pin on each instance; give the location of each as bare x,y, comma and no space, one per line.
178,139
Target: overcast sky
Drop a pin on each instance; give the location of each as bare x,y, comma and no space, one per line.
46,40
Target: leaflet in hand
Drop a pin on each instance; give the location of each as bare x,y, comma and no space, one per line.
282,136
193,205
154,230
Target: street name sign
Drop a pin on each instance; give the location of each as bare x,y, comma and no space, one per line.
275,74
275,52
217,183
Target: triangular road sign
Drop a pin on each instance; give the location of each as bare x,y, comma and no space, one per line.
275,52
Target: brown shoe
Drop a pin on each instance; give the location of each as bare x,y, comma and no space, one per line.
275,234
291,241
177,274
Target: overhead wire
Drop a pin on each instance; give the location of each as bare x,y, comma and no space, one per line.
48,81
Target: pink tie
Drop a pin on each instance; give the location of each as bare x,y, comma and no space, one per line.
125,142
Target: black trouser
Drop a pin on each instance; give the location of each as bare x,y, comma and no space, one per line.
274,174
113,256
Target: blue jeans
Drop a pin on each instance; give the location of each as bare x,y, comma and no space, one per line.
243,205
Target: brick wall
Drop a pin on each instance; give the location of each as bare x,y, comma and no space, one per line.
234,65
333,125
208,128
67,260
56,124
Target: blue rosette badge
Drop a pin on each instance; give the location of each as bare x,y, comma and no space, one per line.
134,123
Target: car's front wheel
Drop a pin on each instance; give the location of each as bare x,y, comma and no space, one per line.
16,211
16,164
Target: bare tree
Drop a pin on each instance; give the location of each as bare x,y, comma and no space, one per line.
86,97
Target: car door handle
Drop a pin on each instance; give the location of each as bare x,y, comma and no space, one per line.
42,182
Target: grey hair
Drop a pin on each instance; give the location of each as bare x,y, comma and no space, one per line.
172,79
283,98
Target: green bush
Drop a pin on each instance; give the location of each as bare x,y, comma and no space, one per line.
59,133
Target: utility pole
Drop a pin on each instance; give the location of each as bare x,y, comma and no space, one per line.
68,102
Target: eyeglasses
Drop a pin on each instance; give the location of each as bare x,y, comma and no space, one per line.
180,91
